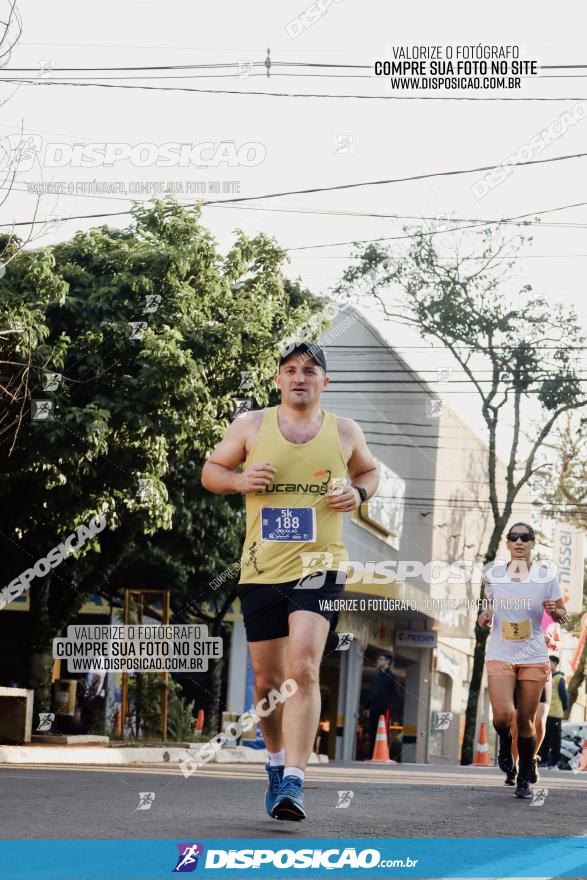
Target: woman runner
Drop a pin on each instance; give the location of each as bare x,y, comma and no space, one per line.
518,593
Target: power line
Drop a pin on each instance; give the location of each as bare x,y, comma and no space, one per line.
101,85
409,372
474,223
470,259
143,67
428,348
230,63
471,501
422,382
437,479
416,381
410,178
345,186
416,446
223,64
334,213
116,80
338,213
220,64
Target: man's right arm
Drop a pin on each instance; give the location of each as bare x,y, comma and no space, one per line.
219,474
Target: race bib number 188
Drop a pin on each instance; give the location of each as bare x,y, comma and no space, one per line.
288,524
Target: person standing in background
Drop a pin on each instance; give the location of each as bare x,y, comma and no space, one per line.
94,702
382,695
559,703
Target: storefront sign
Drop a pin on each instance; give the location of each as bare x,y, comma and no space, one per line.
413,638
569,558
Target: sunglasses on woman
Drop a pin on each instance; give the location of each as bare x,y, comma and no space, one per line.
523,535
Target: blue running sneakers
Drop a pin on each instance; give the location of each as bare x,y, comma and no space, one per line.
289,803
275,776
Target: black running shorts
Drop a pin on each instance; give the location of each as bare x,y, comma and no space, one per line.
266,607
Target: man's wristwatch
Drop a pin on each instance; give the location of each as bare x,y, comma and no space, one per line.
362,492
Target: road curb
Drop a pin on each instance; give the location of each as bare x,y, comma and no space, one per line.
97,755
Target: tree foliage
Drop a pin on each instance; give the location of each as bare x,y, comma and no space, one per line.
148,329
516,349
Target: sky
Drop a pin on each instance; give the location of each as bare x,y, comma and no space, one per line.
297,143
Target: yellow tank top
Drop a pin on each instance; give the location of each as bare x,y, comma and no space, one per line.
290,517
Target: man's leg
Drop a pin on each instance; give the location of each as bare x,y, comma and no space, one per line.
301,711
268,660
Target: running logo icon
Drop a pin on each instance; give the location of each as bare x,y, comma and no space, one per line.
46,719
538,797
312,579
146,799
344,799
187,860
442,720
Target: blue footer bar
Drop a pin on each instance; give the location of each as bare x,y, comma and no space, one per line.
545,857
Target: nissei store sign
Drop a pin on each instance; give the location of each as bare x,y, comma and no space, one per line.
416,638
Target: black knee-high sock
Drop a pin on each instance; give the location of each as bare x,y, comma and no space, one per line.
505,760
505,736
526,746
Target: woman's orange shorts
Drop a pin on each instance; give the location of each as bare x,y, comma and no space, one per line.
519,671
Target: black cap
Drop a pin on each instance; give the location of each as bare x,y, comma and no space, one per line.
311,348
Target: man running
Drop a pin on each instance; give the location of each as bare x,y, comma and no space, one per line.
296,459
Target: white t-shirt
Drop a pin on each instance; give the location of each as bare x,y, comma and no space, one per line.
516,634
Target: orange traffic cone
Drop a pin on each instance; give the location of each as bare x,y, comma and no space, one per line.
481,756
200,721
381,750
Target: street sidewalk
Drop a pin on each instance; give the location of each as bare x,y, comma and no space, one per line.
121,755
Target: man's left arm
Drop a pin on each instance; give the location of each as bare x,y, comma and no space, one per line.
363,471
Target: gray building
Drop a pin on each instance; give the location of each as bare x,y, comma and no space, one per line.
399,415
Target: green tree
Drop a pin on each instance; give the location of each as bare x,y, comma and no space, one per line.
148,328
525,346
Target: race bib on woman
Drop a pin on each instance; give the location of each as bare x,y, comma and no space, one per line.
515,631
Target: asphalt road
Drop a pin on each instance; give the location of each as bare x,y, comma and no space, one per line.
406,800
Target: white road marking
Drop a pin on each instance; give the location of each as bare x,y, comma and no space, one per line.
357,776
